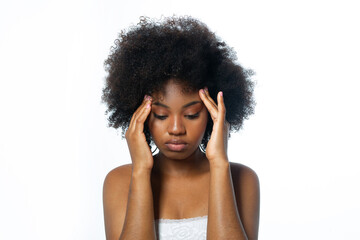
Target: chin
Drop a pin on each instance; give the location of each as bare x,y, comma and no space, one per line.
177,155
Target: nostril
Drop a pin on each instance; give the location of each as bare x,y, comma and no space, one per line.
176,129
176,126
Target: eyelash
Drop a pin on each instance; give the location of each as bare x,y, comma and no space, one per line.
194,116
163,117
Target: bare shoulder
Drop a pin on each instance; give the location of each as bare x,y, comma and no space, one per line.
247,194
243,174
119,175
116,185
115,195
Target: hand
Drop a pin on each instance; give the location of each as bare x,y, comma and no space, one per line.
140,152
216,150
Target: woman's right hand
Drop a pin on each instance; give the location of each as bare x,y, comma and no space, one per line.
140,152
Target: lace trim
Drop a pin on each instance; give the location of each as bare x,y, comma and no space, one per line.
182,220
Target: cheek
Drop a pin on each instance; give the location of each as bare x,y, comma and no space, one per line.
200,126
204,124
155,126
151,125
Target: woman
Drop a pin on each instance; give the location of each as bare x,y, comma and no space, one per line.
173,85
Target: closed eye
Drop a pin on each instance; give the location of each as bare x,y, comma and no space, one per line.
161,117
193,116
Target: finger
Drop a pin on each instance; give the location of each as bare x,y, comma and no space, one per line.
221,106
139,110
141,117
212,108
209,97
145,106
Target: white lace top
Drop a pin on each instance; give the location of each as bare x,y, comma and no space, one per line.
184,229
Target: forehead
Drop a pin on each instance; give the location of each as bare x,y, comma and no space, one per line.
175,92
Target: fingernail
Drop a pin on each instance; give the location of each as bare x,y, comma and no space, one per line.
145,97
221,93
206,89
202,91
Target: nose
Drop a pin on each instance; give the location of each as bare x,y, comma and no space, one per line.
176,126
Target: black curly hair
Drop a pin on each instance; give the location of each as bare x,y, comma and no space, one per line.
152,52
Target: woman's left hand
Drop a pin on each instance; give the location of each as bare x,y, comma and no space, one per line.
216,150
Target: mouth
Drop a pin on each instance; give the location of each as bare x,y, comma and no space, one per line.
176,145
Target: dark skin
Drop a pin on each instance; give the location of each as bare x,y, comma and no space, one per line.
180,181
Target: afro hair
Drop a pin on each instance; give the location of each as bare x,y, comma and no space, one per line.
152,52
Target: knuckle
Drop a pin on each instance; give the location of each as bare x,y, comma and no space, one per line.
223,110
138,120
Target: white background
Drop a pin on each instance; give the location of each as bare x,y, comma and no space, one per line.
303,141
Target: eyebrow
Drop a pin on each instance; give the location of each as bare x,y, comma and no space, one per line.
185,106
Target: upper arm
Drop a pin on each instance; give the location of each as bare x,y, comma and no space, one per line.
115,196
247,193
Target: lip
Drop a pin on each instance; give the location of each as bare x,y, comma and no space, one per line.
176,145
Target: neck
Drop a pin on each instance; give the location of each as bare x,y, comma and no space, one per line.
195,164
